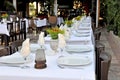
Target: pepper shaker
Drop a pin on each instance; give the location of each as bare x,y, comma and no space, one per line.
40,59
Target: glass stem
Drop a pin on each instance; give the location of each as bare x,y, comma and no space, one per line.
25,58
61,51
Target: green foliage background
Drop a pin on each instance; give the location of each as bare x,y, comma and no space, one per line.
110,10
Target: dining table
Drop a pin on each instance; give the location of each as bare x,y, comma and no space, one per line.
3,29
4,32
75,62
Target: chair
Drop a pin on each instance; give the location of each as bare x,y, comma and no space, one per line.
5,51
52,20
1,38
17,30
97,33
99,48
6,39
23,30
105,61
15,46
32,26
11,30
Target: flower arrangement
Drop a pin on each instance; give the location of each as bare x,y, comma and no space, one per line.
4,15
54,31
78,18
69,23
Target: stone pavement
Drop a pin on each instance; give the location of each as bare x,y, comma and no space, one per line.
112,46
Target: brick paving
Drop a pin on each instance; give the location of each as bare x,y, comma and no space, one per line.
112,46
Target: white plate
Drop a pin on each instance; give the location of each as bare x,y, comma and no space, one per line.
15,59
84,28
83,31
74,60
81,35
78,48
85,25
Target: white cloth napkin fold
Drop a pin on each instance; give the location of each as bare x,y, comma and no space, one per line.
61,41
25,50
41,40
61,27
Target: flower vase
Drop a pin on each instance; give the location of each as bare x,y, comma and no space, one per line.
54,45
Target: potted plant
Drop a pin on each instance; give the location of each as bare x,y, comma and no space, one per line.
78,18
69,23
4,15
54,31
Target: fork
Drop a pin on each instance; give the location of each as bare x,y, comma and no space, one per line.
71,67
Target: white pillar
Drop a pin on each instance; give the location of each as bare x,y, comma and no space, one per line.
55,7
15,4
97,13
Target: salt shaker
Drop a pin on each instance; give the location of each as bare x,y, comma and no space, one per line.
40,59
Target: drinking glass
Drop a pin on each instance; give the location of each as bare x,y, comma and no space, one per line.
54,45
25,54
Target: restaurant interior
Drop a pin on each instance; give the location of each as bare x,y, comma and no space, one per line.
56,40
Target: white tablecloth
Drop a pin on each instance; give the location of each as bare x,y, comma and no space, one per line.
60,20
3,29
44,22
40,22
52,71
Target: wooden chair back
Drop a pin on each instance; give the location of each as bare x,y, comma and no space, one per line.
105,59
23,29
17,29
99,48
11,30
15,46
5,51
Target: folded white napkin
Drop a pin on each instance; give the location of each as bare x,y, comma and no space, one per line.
61,27
61,42
25,50
41,40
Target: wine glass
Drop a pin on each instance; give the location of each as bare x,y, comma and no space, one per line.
25,53
61,43
54,45
61,50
